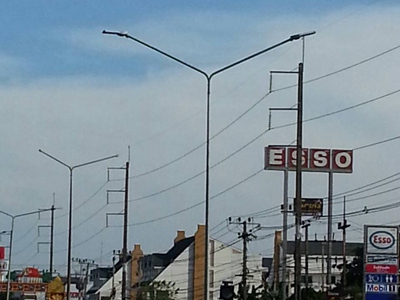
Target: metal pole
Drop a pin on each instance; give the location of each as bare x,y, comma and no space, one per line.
208,77
285,228
125,242
69,236
306,253
329,252
343,227
323,266
9,259
244,270
112,282
297,280
52,241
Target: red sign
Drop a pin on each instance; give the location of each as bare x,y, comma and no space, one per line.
312,160
24,287
2,253
382,269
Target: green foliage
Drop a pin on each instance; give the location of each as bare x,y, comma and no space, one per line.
354,276
158,290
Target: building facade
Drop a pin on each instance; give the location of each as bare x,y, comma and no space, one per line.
180,270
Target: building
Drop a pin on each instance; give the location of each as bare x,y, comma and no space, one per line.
317,263
180,270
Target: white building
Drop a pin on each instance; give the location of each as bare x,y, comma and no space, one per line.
182,269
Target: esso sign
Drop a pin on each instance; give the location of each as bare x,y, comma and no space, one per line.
312,160
382,240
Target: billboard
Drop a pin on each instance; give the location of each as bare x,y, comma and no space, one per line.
312,159
311,206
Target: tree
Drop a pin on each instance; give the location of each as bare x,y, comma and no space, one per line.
354,275
157,290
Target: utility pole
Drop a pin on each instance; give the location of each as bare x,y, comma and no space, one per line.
246,235
51,242
342,226
125,227
244,270
298,198
125,243
305,225
113,280
84,266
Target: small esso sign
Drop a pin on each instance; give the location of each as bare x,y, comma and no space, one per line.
382,240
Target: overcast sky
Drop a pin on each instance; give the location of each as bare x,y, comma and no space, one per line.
80,96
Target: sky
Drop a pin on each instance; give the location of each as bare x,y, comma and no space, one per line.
80,96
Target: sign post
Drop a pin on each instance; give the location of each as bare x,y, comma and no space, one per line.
381,252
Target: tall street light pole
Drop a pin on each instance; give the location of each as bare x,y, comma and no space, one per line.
13,217
208,77
71,169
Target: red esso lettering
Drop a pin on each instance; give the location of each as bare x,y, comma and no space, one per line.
382,240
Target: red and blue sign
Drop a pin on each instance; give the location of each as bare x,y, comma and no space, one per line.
380,278
382,263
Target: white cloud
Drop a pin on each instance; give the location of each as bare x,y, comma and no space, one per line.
84,118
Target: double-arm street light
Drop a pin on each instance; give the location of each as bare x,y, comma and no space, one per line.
71,169
208,77
11,232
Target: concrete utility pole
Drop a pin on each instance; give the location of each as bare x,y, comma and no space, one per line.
51,242
297,206
125,226
125,243
84,266
298,197
305,225
246,235
343,226
244,270
323,265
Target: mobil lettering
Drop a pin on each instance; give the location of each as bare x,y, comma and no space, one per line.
375,288
312,160
381,288
382,240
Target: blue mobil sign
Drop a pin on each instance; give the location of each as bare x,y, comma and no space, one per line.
380,278
372,296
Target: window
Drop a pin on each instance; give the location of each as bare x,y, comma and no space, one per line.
333,279
303,279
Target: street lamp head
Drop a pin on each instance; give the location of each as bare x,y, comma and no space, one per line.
300,35
119,33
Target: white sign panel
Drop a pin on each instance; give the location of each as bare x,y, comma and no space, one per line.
382,240
382,260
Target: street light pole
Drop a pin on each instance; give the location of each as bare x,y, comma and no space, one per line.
208,77
71,169
13,217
